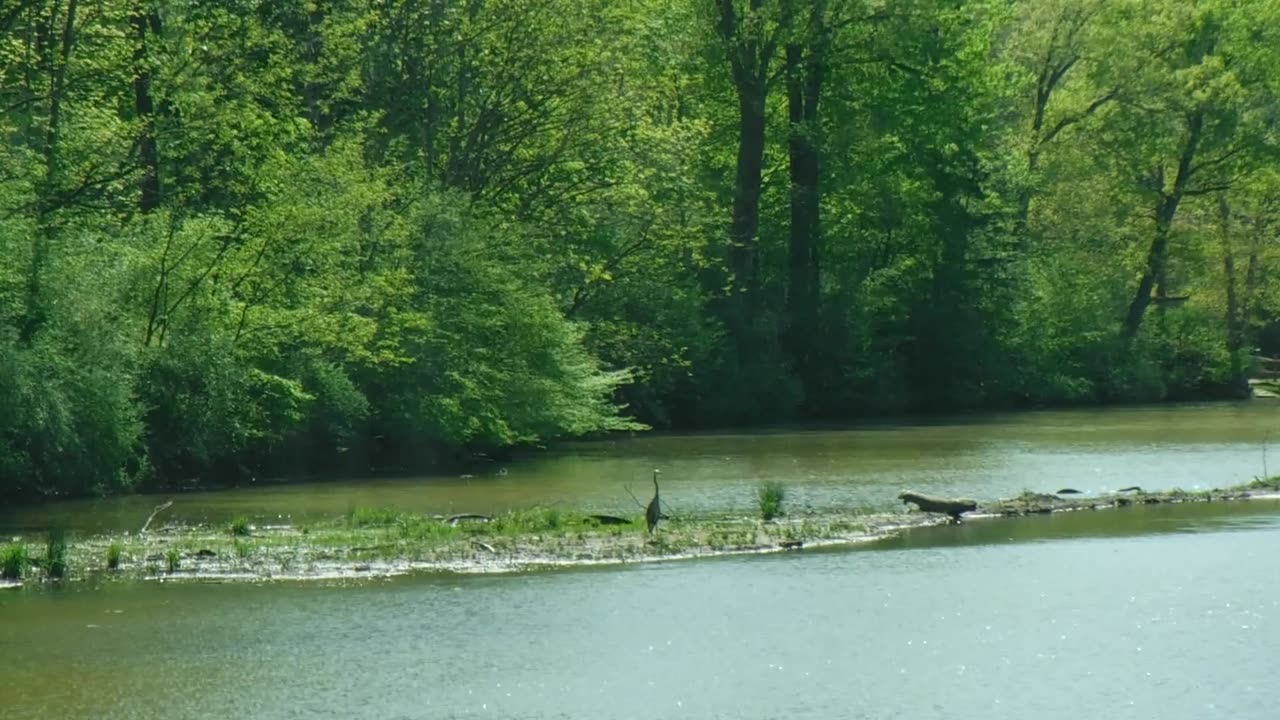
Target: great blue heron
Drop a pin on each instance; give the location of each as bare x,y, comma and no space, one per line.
654,512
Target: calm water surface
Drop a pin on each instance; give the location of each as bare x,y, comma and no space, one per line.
986,456
1166,613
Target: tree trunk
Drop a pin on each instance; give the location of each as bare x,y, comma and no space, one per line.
56,57
1157,256
749,57
1166,209
313,92
1248,302
746,200
146,21
805,67
1235,320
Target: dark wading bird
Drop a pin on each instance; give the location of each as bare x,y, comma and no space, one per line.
654,512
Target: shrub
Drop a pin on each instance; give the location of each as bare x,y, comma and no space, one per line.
769,497
209,407
70,422
14,561
114,551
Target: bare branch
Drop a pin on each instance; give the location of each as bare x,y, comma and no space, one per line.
159,509
1218,160
1070,120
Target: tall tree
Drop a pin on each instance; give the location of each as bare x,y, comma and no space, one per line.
1205,88
749,35
806,58
146,27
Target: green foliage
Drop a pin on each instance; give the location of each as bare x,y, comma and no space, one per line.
71,422
240,526
531,520
55,555
14,561
172,560
769,498
372,517
209,409
348,237
114,552
430,530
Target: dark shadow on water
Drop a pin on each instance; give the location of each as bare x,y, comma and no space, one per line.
1100,524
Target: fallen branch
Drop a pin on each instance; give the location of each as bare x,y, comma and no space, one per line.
159,509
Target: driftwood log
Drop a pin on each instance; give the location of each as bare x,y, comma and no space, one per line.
947,506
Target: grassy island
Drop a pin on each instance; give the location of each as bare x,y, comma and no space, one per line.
370,542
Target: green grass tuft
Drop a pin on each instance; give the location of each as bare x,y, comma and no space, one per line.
114,551
244,549
769,497
172,560
531,520
429,530
1260,483
372,517
240,526
14,561
55,556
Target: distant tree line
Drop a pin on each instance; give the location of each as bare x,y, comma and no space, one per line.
282,237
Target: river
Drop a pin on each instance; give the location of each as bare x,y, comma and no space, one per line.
986,456
1166,612
1179,619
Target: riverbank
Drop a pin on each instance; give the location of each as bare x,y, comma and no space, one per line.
379,543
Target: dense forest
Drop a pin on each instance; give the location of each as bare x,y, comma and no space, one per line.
281,237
